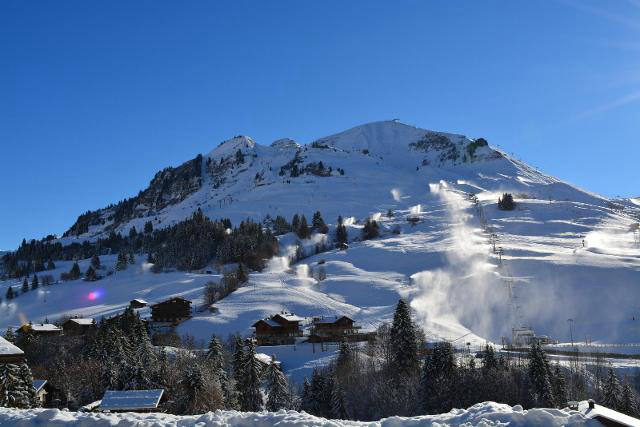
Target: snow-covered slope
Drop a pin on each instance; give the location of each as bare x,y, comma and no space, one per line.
485,414
567,253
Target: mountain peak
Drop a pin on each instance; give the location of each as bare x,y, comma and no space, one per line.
381,137
230,146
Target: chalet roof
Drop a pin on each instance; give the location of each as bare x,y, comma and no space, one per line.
171,300
8,349
82,321
269,322
599,411
290,317
130,400
138,300
327,322
38,384
44,327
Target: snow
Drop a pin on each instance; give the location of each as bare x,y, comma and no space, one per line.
130,400
486,414
45,327
6,348
83,321
443,264
609,414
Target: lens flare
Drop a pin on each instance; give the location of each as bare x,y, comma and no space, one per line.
94,295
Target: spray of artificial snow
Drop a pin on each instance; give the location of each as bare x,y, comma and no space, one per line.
467,291
396,194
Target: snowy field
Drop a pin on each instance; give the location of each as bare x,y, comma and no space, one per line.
567,253
485,414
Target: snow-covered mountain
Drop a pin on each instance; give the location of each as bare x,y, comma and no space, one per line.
359,166
563,253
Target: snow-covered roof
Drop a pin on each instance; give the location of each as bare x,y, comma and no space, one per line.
44,327
38,384
290,317
82,321
130,400
8,349
599,411
265,358
141,301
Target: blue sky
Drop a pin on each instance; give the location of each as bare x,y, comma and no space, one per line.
95,97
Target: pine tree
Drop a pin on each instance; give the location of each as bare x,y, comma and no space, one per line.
10,335
132,259
489,361
9,385
148,227
559,387
194,386
370,230
25,285
29,397
403,341
241,274
121,264
303,230
341,232
318,223
90,275
50,265
315,393
338,410
539,377
251,397
439,379
628,402
611,391
34,282
278,396
9,293
239,157
16,386
295,224
75,273
306,400
95,261
238,368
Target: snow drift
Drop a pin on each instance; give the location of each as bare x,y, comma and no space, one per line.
485,414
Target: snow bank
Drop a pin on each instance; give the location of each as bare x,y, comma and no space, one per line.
485,414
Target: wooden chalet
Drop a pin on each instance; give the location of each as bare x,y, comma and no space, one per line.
137,303
173,310
78,326
40,329
279,329
337,330
10,353
132,400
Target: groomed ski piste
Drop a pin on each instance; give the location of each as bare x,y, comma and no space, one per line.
487,414
566,253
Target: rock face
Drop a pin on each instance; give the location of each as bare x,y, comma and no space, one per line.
168,187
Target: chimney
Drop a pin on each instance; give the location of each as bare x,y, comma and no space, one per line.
592,404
